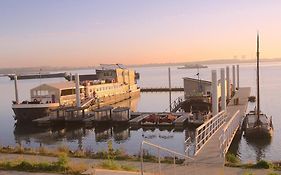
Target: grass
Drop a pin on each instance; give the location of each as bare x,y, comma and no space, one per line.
231,158
60,166
113,165
233,161
116,154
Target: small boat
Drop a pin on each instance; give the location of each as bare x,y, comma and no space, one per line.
256,124
193,66
199,109
167,120
258,127
152,119
37,76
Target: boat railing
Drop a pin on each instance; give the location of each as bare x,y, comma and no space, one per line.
160,169
204,132
175,104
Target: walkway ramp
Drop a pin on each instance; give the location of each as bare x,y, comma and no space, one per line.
211,153
87,102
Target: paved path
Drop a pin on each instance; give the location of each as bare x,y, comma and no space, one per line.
150,168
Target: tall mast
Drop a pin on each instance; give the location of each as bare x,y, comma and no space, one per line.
258,78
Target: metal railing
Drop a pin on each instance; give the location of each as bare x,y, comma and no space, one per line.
229,132
188,145
159,149
175,104
204,132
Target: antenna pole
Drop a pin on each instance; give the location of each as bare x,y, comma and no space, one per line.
258,78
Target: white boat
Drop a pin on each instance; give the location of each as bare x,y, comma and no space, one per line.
113,85
256,124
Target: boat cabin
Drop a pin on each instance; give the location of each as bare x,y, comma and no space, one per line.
194,87
63,93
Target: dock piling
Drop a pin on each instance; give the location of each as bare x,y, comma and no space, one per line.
233,79
228,93
170,89
223,95
16,89
77,91
214,93
237,67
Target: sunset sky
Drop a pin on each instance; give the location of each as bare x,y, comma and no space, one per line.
90,32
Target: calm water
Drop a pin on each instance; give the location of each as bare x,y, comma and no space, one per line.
95,138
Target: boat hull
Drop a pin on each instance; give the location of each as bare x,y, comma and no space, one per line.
30,112
259,132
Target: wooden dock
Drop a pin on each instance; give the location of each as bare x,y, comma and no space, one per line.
137,120
182,120
211,153
162,89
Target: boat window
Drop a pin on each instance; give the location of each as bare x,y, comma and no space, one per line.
66,92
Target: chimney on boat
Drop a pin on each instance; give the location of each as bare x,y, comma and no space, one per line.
16,89
77,90
223,95
214,93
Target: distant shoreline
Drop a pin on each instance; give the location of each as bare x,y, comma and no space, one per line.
23,70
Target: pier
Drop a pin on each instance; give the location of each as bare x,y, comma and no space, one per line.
162,89
213,139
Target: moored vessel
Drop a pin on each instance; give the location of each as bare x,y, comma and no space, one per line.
113,85
256,124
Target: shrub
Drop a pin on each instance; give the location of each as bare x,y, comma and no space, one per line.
111,165
263,164
231,158
62,160
24,165
63,149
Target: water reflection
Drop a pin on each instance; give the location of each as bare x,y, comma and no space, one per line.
259,146
124,136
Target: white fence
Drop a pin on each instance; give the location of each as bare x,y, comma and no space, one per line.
229,132
206,130
160,149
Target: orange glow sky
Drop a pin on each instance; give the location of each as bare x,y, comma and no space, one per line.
90,32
